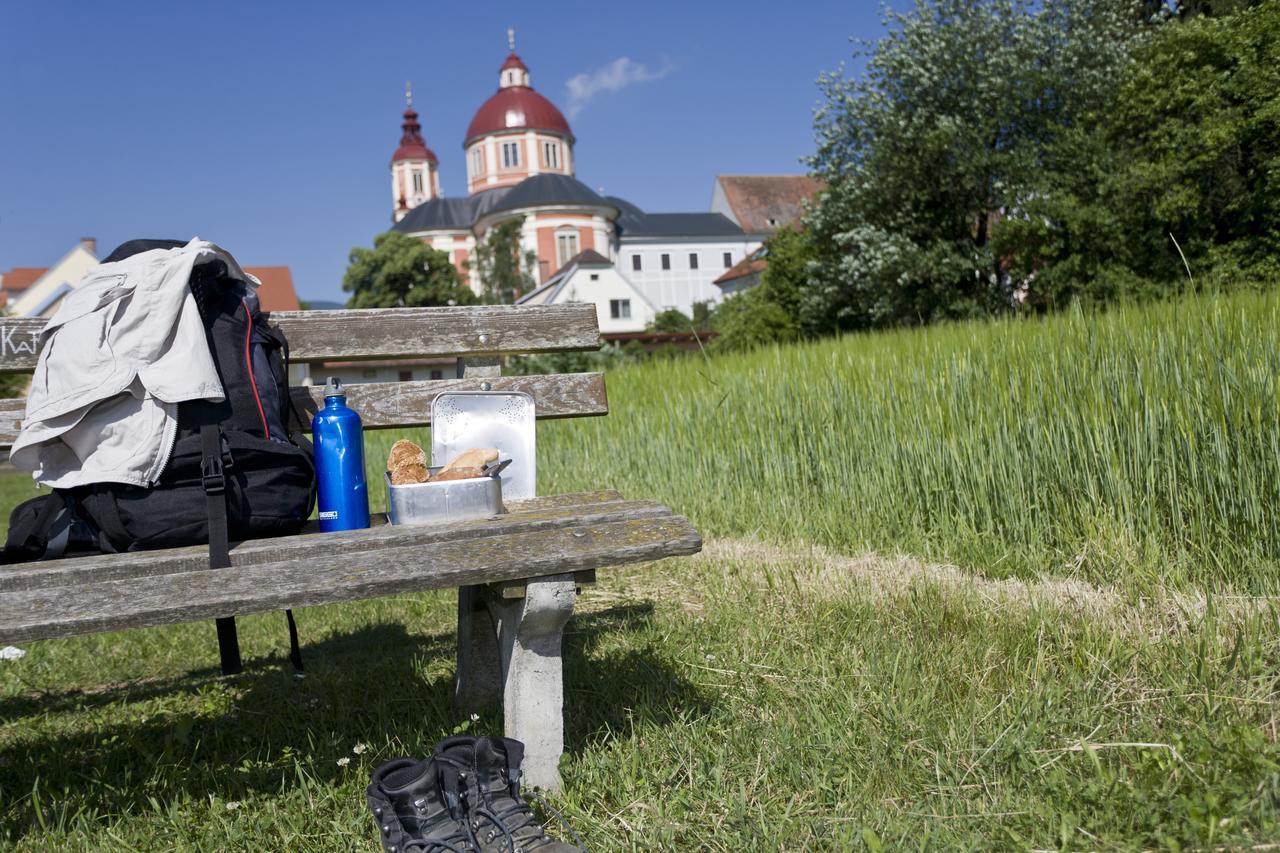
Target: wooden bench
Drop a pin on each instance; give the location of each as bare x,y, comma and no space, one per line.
516,574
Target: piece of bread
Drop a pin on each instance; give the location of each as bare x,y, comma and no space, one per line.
409,473
476,457
407,463
464,473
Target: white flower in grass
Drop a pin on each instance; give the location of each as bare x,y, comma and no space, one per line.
359,748
233,805
344,761
475,718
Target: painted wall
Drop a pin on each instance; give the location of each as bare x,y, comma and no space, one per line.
484,159
600,285
681,285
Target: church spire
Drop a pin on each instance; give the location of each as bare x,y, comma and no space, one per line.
414,176
513,71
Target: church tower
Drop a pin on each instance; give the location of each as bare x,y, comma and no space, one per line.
517,133
415,173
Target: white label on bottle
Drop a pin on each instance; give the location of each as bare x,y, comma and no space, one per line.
333,513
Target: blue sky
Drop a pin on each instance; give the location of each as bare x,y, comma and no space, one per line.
267,126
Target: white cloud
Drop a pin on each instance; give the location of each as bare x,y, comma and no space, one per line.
619,74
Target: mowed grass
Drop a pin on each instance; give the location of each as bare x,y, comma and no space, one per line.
740,701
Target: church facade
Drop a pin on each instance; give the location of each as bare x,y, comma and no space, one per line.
519,155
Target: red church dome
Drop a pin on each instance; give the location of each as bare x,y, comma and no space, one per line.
516,107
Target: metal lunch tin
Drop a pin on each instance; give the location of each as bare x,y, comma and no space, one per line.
451,500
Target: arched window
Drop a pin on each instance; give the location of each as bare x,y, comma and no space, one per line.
417,183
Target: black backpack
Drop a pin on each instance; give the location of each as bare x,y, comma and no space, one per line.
235,472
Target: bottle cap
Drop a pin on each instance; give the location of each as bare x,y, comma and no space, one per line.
333,388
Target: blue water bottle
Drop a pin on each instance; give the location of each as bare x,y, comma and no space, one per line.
339,441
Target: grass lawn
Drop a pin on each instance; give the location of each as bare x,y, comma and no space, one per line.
752,698
1082,651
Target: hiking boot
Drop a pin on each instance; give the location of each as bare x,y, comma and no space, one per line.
499,819
412,809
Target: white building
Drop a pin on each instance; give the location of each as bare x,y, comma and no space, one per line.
591,277
519,154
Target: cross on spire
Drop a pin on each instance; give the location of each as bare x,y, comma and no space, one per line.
408,94
511,39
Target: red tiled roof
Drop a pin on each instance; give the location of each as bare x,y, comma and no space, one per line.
764,203
276,293
513,61
752,263
20,278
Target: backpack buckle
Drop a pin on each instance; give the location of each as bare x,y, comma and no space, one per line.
211,476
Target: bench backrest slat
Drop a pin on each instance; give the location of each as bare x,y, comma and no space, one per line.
387,333
408,404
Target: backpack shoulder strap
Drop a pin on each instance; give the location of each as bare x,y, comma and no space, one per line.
215,492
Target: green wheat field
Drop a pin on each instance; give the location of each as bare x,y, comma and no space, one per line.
991,585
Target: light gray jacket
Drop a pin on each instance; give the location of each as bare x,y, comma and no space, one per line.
125,347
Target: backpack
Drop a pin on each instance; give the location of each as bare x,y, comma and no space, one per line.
235,471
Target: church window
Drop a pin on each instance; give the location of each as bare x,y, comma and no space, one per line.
693,260
666,262
635,263
566,246
620,309
551,153
417,182
510,155
477,161
728,260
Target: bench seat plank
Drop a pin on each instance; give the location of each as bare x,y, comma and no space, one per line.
337,576
306,548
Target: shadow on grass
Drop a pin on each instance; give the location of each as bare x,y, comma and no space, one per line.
111,750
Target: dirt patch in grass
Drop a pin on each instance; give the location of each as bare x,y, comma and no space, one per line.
807,573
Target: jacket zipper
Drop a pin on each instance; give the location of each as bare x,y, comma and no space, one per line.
248,363
170,439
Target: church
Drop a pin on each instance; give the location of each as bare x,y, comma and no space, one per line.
519,156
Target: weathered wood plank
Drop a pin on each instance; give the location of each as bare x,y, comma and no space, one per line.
400,404
381,333
305,548
405,404
339,576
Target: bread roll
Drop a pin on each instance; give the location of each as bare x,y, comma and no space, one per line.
464,473
476,457
409,473
407,463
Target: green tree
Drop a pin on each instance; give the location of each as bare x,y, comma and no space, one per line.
402,271
1200,116
505,272
938,142
1187,149
670,320
750,319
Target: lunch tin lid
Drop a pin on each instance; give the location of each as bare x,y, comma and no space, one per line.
461,420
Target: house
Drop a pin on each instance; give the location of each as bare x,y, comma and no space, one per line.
745,274
37,291
761,204
591,277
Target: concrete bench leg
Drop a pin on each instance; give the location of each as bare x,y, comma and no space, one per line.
478,687
529,630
